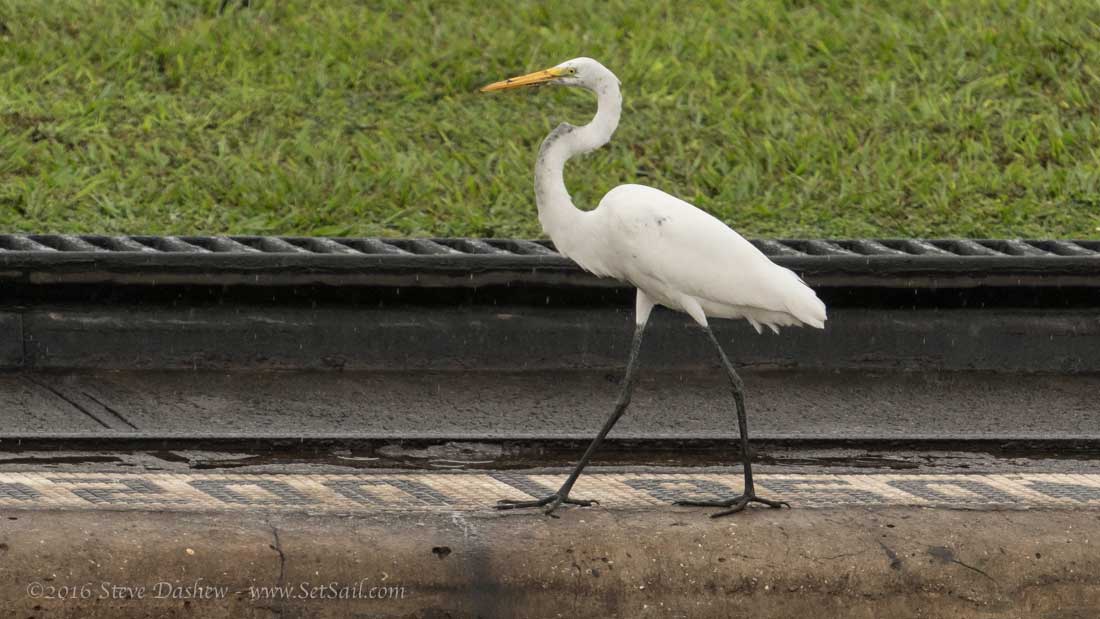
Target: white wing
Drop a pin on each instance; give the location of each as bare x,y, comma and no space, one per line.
669,248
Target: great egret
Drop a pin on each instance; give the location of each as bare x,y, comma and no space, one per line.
675,254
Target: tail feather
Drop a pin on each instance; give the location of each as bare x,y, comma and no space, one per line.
803,304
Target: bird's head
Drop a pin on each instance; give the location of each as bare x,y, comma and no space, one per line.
582,72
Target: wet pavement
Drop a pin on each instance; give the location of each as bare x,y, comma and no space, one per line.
493,405
229,524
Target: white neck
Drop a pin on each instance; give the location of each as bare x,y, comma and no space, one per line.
560,219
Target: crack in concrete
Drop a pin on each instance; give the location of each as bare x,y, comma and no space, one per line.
109,409
844,555
68,400
278,547
978,570
947,555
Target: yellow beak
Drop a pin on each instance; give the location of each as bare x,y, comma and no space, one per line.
538,77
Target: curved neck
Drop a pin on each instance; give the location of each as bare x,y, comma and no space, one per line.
557,214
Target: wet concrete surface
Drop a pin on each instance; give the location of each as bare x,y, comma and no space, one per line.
840,404
593,562
612,457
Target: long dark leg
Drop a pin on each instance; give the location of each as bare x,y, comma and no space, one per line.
562,495
739,503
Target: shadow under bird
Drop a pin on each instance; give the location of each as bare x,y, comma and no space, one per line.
675,254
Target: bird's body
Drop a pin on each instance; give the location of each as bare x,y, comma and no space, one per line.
685,259
675,254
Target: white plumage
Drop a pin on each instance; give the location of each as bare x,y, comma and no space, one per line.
675,254
686,259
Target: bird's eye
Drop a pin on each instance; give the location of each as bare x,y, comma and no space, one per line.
572,71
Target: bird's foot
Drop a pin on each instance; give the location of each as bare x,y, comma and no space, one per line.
551,503
735,504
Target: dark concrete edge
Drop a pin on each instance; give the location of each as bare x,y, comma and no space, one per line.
145,336
471,271
1046,447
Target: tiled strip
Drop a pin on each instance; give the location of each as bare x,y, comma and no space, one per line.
201,492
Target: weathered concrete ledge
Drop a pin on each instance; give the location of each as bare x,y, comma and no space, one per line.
668,562
112,407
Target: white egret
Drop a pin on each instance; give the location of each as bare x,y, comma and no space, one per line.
675,254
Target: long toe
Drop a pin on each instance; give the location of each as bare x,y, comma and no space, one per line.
514,504
555,503
734,505
773,504
551,503
741,502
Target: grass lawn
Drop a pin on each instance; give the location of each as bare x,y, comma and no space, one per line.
821,119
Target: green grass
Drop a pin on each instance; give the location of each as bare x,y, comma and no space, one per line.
362,118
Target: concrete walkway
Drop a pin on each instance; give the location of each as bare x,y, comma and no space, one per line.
663,562
116,543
